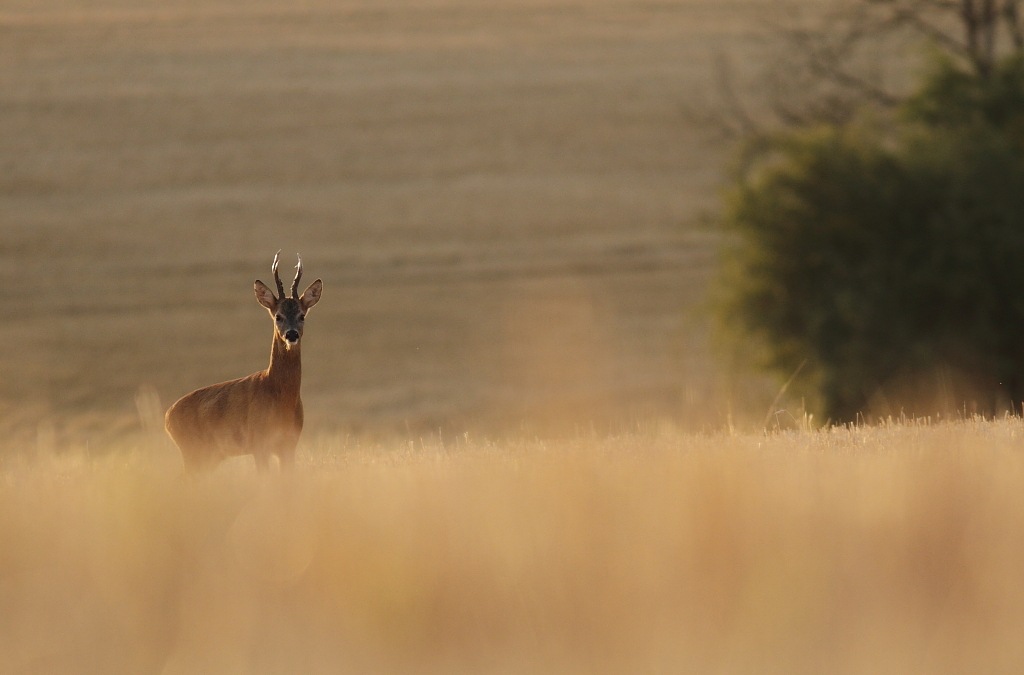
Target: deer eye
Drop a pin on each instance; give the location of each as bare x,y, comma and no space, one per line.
279,317
302,317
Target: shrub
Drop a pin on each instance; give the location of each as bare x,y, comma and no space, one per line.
892,262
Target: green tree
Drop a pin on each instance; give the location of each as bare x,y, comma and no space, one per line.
889,259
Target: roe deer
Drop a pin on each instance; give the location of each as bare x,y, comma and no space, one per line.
258,415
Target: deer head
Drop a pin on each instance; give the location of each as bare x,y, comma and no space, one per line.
289,313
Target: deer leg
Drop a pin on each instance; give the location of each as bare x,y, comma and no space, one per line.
196,458
262,461
287,460
287,454
193,464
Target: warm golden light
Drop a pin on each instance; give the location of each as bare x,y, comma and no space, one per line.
888,549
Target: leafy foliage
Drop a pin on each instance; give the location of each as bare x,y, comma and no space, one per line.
892,262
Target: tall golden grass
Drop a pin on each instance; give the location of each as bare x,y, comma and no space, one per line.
892,549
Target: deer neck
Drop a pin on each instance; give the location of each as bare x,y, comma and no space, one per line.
285,371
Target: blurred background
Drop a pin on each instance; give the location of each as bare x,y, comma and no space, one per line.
519,209
504,200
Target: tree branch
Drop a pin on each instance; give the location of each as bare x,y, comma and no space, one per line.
732,102
1011,15
914,20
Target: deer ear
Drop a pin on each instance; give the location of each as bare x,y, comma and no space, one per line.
311,295
265,296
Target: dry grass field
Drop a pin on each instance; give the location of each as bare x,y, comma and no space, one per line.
499,196
891,549
498,473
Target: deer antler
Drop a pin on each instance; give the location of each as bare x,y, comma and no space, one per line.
280,286
298,275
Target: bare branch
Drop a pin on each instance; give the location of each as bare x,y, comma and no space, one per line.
732,101
827,68
930,31
1011,15
989,23
861,85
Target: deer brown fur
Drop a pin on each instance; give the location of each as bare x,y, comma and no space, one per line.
258,415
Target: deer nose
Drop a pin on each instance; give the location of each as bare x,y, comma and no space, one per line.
292,335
